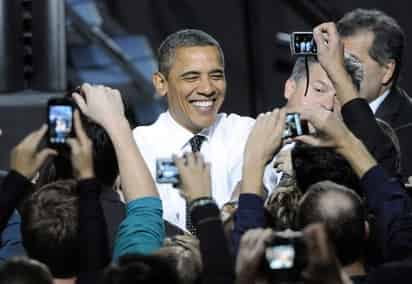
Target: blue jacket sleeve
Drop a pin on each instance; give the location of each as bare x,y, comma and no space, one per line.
11,243
389,202
249,215
143,230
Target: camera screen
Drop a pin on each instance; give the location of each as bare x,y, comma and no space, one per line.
304,43
166,171
60,122
280,256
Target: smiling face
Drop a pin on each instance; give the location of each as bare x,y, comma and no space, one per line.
321,91
195,86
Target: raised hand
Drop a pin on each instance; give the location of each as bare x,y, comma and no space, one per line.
194,176
25,157
101,104
81,151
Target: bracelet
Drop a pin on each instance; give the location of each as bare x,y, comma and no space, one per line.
202,201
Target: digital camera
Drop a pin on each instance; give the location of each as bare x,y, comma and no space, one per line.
303,44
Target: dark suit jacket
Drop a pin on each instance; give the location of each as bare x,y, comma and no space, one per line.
396,109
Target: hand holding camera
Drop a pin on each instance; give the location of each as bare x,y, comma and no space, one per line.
265,139
194,175
330,49
25,158
81,151
101,104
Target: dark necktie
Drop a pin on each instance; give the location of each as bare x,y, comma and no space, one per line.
196,143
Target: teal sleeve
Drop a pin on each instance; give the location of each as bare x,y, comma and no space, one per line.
142,231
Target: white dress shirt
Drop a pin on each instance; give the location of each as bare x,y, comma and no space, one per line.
223,148
374,105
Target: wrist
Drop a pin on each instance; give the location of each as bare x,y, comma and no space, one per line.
86,174
357,155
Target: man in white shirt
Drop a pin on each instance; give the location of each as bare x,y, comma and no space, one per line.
192,77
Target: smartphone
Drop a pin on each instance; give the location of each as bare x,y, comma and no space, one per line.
294,126
166,171
302,44
60,121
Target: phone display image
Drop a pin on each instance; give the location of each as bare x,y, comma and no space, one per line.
280,257
303,43
294,126
60,120
166,171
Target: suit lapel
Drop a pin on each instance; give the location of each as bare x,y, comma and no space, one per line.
389,109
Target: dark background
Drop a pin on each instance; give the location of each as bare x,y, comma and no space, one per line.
256,66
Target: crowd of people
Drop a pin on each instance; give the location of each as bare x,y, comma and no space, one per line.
250,205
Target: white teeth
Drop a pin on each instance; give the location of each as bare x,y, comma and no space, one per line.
203,103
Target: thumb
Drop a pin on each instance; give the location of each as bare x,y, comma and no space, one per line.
43,155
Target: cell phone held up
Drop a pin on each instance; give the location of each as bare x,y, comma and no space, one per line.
294,126
60,121
166,171
303,44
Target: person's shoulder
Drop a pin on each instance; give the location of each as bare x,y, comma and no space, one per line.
234,127
236,121
143,132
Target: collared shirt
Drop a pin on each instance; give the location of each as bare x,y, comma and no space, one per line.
374,105
223,148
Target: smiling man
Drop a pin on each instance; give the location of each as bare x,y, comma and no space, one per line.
192,77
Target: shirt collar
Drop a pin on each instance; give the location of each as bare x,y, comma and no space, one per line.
374,105
181,135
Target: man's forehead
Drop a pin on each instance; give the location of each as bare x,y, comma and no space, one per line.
318,74
197,57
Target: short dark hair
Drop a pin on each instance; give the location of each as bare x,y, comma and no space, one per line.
389,39
314,164
50,226
141,269
344,219
352,66
22,270
184,38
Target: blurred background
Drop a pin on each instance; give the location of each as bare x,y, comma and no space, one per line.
50,46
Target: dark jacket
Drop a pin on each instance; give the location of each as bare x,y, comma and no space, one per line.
396,109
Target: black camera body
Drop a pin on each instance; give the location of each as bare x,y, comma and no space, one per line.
166,171
294,126
60,121
303,44
285,257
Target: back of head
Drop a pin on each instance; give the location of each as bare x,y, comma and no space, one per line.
282,205
21,270
183,38
141,269
389,37
183,253
343,213
50,227
352,66
314,164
